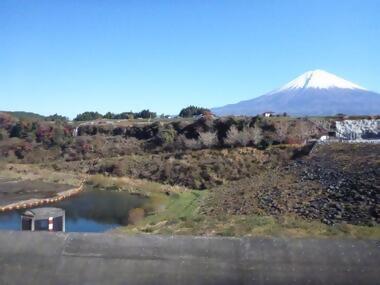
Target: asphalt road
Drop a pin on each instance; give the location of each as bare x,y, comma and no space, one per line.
77,258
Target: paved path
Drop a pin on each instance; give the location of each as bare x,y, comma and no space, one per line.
77,258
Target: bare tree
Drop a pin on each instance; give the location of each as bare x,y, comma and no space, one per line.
282,130
232,136
244,137
188,143
256,135
208,139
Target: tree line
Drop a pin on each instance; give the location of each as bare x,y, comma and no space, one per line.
187,112
192,111
89,116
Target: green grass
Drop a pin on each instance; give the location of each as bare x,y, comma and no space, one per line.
178,212
179,208
181,215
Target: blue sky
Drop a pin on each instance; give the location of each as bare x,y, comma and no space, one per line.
71,56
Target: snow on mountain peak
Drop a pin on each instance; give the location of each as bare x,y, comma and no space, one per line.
319,79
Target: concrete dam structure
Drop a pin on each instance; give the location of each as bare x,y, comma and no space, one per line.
358,130
78,258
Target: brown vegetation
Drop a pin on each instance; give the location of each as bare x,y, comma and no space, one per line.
337,183
135,215
252,166
38,141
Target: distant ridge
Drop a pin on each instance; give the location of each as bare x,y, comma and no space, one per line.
315,92
24,115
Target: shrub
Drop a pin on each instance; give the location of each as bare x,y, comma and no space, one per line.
233,136
244,137
222,126
256,135
23,149
208,139
186,143
266,125
166,135
58,136
135,215
99,180
16,131
118,169
3,134
6,121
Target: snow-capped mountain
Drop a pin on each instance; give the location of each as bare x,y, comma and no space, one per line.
319,79
315,92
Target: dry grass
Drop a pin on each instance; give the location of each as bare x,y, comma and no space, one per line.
132,185
34,172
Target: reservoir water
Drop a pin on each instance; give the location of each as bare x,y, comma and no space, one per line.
93,210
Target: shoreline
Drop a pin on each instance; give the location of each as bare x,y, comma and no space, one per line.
25,204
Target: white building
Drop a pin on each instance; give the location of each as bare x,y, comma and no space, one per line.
268,114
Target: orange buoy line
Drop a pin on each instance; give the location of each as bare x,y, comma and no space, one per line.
36,202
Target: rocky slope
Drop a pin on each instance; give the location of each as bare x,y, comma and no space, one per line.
336,183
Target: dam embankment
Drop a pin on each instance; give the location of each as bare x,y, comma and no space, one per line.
358,130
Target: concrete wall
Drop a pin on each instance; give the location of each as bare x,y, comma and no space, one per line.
59,258
358,129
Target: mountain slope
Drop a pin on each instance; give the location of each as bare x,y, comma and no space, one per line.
24,115
313,93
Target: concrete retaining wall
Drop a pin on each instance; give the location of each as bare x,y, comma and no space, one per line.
358,130
59,258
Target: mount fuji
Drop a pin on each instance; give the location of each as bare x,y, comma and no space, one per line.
315,92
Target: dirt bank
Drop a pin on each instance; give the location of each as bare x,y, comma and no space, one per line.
26,194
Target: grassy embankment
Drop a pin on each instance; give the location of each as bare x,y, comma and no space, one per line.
182,216
178,210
